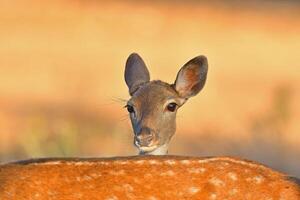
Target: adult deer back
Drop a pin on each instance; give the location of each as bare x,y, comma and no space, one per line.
144,177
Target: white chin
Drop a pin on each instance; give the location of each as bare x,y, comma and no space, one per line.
148,149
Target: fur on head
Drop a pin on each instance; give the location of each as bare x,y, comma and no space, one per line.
153,104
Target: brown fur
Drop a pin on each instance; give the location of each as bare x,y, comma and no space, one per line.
144,177
153,123
149,101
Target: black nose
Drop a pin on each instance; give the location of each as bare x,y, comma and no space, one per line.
144,137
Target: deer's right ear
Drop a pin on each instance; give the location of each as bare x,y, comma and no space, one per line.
136,72
191,77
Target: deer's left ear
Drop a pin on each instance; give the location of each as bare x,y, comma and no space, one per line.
136,72
191,77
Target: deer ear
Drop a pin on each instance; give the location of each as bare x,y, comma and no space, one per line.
191,77
136,72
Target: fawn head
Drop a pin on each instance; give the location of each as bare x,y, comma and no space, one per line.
153,104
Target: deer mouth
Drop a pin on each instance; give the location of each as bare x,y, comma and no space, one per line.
145,148
148,148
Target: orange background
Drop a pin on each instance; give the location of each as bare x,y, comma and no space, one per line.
62,65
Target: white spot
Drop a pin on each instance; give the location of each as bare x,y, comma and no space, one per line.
112,198
104,163
67,179
89,186
205,161
147,187
170,162
51,193
232,176
136,180
128,187
117,173
79,163
118,188
78,195
130,196
193,190
217,182
37,182
49,163
152,198
232,160
180,193
212,196
95,175
185,162
168,173
121,162
258,179
196,170
36,194
78,178
140,162
154,162
233,191
148,175
86,178
76,163
220,167
8,193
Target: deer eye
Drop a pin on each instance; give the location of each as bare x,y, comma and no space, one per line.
171,107
130,108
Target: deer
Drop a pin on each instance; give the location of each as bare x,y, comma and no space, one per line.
153,104
148,176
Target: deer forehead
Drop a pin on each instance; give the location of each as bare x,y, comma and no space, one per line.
153,94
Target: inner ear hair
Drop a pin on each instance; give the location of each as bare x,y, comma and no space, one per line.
191,77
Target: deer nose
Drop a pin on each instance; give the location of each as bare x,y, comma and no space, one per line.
144,137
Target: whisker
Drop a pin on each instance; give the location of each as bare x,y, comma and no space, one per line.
104,104
123,118
118,100
179,116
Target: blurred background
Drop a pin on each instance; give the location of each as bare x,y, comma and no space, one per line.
62,89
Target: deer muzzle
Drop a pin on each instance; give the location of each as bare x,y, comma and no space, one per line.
145,139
